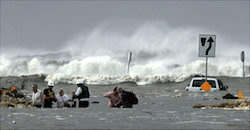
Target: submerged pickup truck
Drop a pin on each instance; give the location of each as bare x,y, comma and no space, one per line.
196,82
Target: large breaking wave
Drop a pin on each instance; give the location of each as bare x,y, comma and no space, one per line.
160,54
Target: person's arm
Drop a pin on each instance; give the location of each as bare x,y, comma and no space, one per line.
57,102
45,94
57,96
54,97
43,98
32,100
107,94
73,93
78,91
119,102
67,98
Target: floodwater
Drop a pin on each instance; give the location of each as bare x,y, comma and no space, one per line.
161,106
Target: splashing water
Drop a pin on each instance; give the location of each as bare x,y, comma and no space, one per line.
160,54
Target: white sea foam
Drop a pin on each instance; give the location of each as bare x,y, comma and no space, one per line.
160,54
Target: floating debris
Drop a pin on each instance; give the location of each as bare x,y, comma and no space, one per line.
8,101
140,96
240,104
178,95
11,97
94,102
229,96
176,91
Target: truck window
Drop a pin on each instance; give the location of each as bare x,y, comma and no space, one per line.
198,83
220,84
212,83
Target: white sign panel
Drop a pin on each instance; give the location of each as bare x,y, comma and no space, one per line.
207,45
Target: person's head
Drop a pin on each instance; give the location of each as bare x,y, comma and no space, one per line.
34,87
51,84
60,92
79,82
115,90
119,90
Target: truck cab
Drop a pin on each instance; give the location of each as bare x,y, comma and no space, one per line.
196,82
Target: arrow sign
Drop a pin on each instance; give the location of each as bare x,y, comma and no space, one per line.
210,40
207,44
206,49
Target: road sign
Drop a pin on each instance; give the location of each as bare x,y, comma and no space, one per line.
207,45
242,56
206,86
243,61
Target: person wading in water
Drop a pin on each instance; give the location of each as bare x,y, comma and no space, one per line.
49,95
81,95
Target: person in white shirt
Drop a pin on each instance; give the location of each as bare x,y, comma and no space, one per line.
62,99
36,97
81,95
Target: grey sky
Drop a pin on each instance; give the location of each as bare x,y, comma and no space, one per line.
47,26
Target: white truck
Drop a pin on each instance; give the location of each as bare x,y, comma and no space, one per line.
196,82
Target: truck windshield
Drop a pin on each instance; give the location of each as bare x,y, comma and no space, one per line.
198,83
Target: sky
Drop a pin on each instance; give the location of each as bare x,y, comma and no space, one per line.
48,26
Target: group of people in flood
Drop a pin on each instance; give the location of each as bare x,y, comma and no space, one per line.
80,97
46,98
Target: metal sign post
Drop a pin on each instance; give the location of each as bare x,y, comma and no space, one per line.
206,68
207,47
129,60
243,61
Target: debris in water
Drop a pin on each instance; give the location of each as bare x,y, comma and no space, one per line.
94,102
140,96
241,104
229,96
176,90
7,101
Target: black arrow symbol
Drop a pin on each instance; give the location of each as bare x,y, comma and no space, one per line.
210,40
203,41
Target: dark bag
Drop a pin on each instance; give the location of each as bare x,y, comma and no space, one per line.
129,97
229,96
